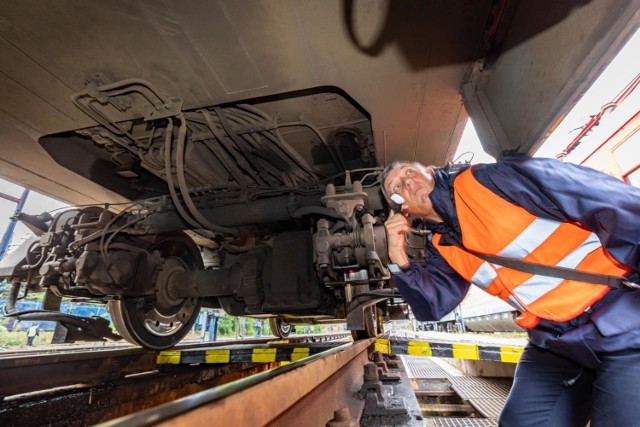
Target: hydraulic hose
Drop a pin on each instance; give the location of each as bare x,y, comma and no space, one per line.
182,184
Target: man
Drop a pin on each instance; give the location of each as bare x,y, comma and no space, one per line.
583,357
32,333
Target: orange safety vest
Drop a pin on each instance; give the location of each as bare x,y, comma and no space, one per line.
491,225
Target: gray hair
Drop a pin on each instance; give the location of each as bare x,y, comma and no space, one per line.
385,173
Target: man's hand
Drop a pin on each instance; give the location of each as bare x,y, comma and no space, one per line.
397,226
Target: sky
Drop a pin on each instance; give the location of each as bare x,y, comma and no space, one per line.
622,69
35,204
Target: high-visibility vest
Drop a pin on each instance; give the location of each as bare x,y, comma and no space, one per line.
494,226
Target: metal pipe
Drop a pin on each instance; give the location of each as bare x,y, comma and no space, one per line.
251,168
169,177
6,238
257,140
220,153
182,183
9,308
315,130
260,211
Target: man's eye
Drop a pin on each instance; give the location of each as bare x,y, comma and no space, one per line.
396,188
410,173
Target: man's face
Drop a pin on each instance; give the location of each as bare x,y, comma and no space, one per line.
414,183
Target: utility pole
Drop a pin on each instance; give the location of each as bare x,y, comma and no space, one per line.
6,238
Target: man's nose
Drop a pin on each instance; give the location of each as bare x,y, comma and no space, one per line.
409,182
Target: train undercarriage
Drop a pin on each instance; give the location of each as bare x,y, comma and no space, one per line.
227,211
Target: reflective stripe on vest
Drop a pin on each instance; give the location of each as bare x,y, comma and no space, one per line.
492,225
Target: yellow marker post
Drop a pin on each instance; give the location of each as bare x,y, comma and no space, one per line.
264,355
510,354
217,356
299,353
466,351
168,358
382,345
419,348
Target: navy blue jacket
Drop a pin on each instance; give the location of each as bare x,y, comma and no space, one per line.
554,190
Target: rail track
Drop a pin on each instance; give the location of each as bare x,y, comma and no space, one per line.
306,392
306,380
88,385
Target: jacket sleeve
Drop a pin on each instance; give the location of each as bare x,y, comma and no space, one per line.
432,288
552,189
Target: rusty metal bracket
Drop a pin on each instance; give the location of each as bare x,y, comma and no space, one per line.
356,317
74,328
377,401
98,94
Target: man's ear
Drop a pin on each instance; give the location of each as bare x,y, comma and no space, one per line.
427,171
430,176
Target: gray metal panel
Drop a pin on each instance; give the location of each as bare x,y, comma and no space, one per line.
538,79
403,62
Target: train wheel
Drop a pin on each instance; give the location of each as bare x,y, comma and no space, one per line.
161,322
373,318
279,327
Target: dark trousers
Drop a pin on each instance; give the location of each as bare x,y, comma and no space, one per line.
608,396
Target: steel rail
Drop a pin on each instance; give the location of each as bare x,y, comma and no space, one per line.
271,394
183,345
27,372
82,405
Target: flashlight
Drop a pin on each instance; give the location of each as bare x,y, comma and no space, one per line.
395,202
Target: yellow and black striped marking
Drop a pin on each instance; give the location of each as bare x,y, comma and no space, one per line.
239,354
413,347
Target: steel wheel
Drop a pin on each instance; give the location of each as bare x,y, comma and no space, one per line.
161,322
279,327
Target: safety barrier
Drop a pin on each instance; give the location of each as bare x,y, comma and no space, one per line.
416,347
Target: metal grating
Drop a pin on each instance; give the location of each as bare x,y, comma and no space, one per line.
487,396
488,408
460,422
480,388
449,369
423,367
445,407
432,387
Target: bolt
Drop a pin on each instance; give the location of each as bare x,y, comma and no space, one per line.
342,418
371,372
342,414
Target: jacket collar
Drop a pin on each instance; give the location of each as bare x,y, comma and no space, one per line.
442,200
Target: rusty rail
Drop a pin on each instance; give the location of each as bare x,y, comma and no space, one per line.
30,371
288,394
